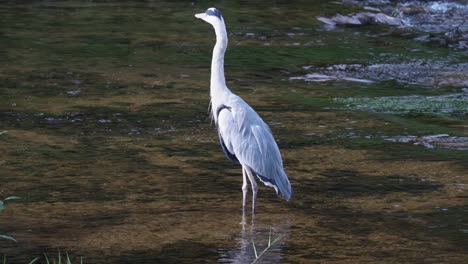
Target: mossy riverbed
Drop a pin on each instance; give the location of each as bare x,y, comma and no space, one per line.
109,144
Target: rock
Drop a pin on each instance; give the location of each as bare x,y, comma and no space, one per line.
362,18
387,20
411,10
425,38
326,21
372,9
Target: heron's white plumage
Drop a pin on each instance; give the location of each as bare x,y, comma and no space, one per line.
242,131
250,139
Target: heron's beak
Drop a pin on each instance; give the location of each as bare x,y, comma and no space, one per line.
200,15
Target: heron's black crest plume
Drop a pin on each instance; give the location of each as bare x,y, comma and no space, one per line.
213,12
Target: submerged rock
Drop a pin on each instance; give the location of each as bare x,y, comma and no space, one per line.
74,92
411,10
363,18
316,77
417,72
433,141
445,22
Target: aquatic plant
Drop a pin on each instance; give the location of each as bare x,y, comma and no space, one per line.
47,261
58,260
2,206
270,244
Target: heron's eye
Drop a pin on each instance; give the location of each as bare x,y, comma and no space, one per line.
213,12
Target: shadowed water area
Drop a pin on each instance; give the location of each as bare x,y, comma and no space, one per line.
106,138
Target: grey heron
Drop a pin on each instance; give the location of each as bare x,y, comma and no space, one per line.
244,137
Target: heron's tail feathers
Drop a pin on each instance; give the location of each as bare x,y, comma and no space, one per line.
284,187
279,181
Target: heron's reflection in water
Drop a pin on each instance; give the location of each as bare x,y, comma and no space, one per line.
258,233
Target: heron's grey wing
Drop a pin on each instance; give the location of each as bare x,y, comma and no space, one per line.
255,147
226,131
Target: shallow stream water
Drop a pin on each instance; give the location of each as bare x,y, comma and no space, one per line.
106,138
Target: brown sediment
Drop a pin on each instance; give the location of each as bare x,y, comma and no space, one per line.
129,169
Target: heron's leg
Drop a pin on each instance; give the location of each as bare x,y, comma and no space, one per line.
243,220
254,189
244,188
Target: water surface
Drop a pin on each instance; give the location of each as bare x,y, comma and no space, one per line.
110,146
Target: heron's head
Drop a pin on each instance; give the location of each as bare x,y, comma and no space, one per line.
211,15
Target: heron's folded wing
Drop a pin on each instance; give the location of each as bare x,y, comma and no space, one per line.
256,148
259,150
227,132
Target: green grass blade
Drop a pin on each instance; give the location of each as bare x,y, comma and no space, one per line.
34,260
278,238
8,237
255,250
46,258
270,244
12,198
269,238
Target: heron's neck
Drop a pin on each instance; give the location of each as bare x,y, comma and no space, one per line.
218,82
